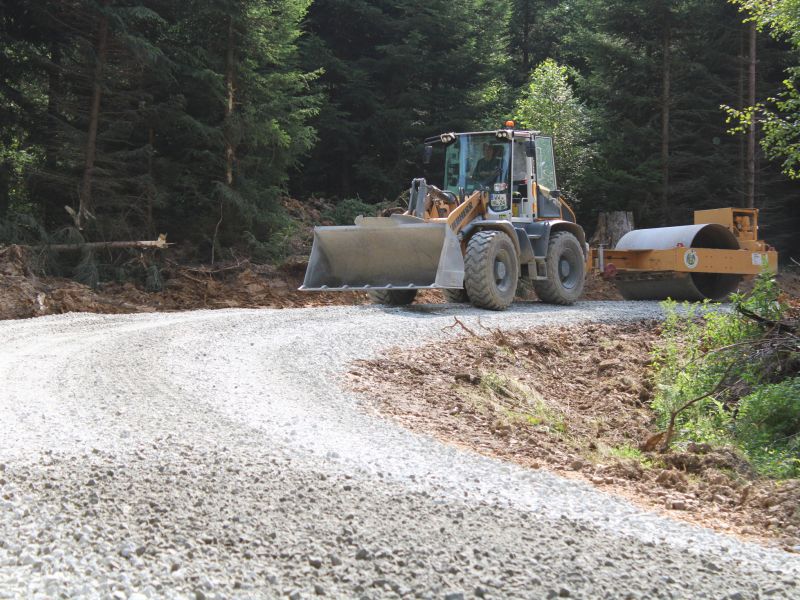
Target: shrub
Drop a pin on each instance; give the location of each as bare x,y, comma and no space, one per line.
722,378
346,211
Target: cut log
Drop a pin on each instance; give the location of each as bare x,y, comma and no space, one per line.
611,226
159,244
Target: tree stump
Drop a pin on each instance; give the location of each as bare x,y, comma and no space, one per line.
611,226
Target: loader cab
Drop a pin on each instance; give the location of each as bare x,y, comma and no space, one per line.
516,168
479,161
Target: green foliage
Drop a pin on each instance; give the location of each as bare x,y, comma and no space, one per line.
339,94
705,351
549,105
154,282
779,116
203,112
626,451
345,212
87,271
396,72
767,426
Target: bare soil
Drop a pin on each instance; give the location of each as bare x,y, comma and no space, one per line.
575,400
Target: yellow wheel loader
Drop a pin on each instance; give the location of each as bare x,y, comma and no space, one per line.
498,216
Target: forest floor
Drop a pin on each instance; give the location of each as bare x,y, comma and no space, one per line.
575,400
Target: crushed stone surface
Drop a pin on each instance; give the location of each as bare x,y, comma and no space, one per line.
217,454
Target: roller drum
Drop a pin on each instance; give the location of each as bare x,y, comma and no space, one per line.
678,286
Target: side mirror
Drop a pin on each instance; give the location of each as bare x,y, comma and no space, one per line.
555,194
530,149
427,152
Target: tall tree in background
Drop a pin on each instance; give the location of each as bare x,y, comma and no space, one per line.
535,31
395,72
550,106
780,116
242,123
156,114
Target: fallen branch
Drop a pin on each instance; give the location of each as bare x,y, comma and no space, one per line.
240,264
673,415
780,326
464,327
500,338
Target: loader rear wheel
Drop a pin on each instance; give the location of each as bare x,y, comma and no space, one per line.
566,270
392,297
491,270
455,296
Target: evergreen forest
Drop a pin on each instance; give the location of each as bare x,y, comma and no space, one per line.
122,119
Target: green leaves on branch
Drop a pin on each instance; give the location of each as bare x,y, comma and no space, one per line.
779,117
549,105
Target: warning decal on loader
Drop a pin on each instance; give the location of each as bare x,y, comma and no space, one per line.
760,259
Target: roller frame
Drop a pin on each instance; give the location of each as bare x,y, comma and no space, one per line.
729,262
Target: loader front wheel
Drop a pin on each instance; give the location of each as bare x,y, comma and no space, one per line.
455,296
566,270
491,270
392,297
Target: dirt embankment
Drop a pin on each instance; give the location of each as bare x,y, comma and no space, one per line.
575,400
240,284
229,284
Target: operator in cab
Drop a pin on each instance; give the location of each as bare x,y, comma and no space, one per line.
488,168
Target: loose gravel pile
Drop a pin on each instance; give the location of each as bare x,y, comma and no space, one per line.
216,455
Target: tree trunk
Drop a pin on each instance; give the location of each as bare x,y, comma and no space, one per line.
230,148
5,187
526,34
101,48
151,185
52,201
611,226
230,151
160,243
665,107
741,104
751,134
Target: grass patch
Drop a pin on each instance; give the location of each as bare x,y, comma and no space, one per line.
513,403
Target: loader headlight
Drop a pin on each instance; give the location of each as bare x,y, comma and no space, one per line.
503,134
447,138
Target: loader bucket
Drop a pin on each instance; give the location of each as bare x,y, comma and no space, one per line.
385,253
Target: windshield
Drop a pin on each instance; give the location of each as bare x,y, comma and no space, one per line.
476,161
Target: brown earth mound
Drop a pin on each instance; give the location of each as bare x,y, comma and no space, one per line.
575,400
231,284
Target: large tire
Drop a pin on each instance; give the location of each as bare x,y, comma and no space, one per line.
455,296
566,270
491,270
392,297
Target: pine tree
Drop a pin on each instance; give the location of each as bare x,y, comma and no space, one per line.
242,113
395,72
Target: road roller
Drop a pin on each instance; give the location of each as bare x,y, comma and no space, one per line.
705,260
494,215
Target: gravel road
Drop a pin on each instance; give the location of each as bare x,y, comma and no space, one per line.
214,454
